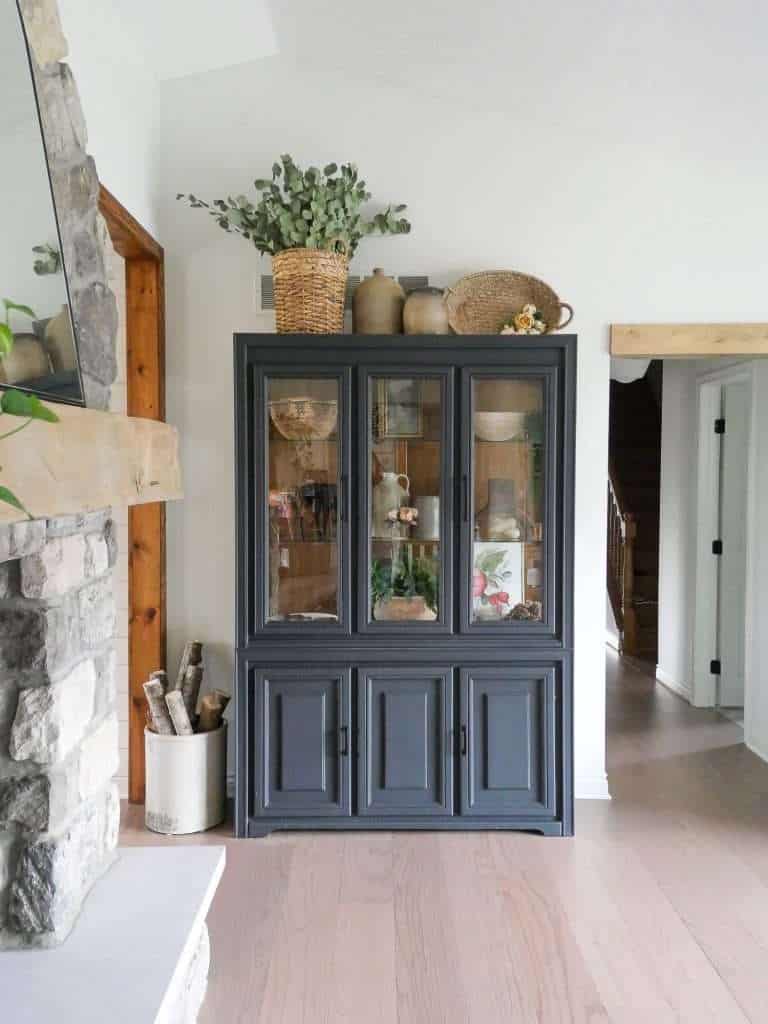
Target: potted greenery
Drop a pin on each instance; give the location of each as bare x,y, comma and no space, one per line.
404,591
17,403
310,222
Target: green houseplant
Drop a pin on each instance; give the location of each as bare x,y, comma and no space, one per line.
17,403
310,222
404,590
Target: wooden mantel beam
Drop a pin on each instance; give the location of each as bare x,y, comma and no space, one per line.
87,461
663,341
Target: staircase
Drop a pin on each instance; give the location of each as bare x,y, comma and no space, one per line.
633,511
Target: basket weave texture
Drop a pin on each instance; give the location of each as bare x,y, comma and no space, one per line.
481,303
310,287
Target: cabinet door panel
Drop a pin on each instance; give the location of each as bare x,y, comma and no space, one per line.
508,764
302,728
511,495
406,430
406,756
301,524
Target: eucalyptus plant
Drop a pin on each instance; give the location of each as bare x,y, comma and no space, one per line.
312,209
17,403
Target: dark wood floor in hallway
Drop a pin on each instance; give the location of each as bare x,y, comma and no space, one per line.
657,911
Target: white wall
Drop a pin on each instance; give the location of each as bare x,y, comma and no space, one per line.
119,94
677,534
593,161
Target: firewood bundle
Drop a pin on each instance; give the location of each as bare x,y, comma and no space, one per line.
173,710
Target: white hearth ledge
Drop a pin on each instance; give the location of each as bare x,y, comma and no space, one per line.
128,959
88,460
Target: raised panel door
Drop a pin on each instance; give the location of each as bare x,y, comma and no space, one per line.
303,742
508,741
406,748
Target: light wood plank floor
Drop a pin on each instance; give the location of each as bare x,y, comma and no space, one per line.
657,911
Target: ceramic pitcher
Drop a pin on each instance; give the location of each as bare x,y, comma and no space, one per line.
388,494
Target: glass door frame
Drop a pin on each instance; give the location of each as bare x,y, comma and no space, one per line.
445,620
259,557
550,623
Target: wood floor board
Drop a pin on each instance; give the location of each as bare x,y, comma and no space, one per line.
427,964
656,912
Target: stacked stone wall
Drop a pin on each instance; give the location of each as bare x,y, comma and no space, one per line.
59,808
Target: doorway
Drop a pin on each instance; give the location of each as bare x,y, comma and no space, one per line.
723,523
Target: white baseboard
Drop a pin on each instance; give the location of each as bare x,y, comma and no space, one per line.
612,640
590,787
681,689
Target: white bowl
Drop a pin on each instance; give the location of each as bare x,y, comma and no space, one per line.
499,426
304,419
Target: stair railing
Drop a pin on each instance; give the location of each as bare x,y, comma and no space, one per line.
622,533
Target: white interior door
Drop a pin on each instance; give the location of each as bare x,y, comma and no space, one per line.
733,533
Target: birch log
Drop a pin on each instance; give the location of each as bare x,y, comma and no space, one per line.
154,691
212,708
190,688
174,701
193,655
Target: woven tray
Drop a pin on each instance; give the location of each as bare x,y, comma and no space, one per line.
480,303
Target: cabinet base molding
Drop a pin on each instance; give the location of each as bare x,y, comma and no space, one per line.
262,829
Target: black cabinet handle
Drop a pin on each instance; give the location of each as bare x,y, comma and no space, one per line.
344,741
465,498
463,741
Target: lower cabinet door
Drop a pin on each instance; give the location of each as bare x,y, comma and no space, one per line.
303,748
507,741
406,753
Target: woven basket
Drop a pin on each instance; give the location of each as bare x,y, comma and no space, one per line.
481,303
310,288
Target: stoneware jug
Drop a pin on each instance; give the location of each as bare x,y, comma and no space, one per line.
388,495
377,305
425,312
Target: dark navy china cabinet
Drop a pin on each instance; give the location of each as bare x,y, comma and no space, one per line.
404,582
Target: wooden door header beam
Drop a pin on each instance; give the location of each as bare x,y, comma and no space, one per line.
663,341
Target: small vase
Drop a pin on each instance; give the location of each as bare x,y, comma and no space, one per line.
377,305
425,312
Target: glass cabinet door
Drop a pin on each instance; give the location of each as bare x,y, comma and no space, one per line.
304,499
504,501
407,535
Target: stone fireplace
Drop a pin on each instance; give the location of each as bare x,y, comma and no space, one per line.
59,808
59,804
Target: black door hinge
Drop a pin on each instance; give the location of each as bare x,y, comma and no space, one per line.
720,426
715,667
717,547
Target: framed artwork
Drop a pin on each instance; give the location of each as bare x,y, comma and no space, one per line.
497,578
400,411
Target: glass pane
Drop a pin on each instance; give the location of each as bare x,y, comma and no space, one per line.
303,466
508,468
405,439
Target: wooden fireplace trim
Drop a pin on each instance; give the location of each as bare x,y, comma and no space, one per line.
145,372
